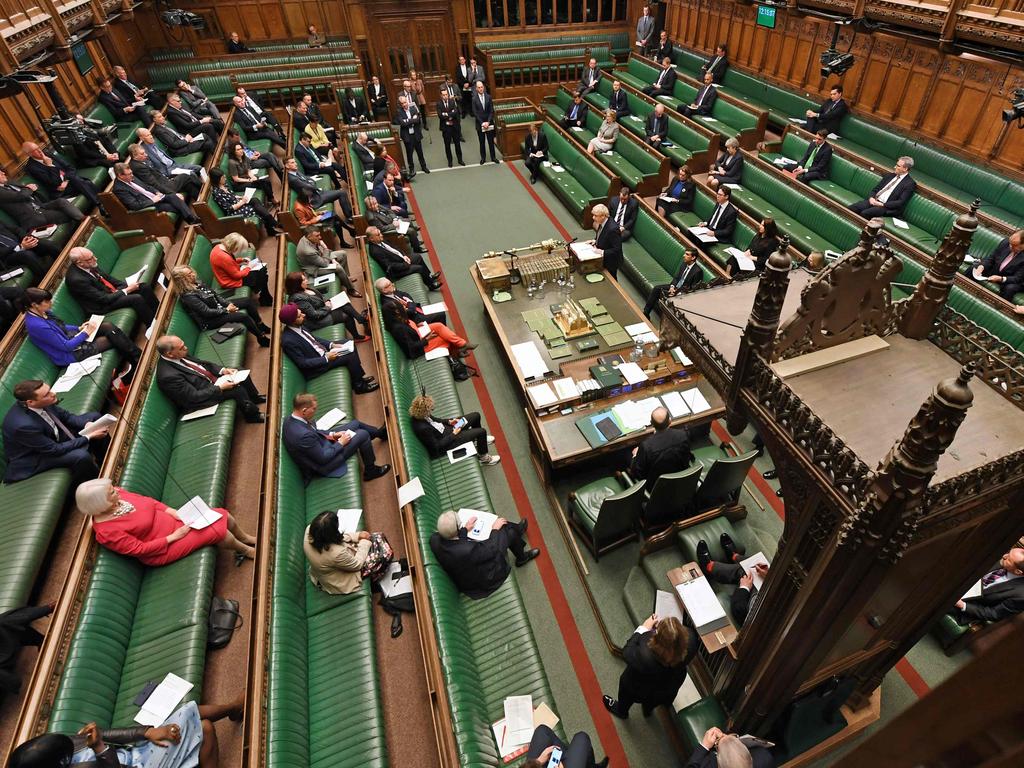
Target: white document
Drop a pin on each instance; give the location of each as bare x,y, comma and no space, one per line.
566,388
675,404
798,120
394,584
632,373
586,251
164,699
748,564
974,591
13,273
322,280
249,192
709,119
433,309
546,164
733,186
74,373
746,263
208,411
95,320
704,234
345,347
482,527
702,605
196,513
348,520
255,265
528,358
423,330
637,329
339,299
409,492
180,171
542,395
332,418
695,401
557,169
668,198
519,718
784,161
401,226
92,427
666,606
632,416
136,277
900,223
41,233
437,353
576,128
833,136
235,378
644,338
461,452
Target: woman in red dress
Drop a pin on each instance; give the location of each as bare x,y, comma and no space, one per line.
232,268
150,531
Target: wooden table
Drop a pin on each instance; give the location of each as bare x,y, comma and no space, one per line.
555,435
716,639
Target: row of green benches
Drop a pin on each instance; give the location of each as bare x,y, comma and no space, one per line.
619,42
163,77
478,674
187,52
34,507
137,623
323,690
221,87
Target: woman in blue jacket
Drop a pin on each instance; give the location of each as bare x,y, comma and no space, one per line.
66,344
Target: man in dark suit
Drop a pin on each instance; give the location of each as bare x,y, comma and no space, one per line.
829,114
198,103
235,44
665,82
98,149
722,221
21,204
129,91
99,293
892,193
618,100
476,74
362,148
166,164
689,276
325,453
536,151
479,568
387,222
39,435
188,123
656,130
391,196
666,451
57,176
449,118
704,101
608,239
255,127
312,164
410,128
178,145
1004,266
255,108
729,571
727,750
123,110
664,48
390,294
191,383
315,356
396,264
483,112
300,117
1002,592
576,115
815,162
717,64
464,84
25,251
147,172
623,210
591,77
300,181
136,195
378,97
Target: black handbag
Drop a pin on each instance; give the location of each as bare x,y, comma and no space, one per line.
224,620
226,332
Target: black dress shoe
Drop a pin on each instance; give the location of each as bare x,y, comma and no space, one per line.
613,706
528,555
449,165
426,170
462,163
523,525
263,341
703,556
365,386
377,470
264,328
383,436
603,763
731,548
771,474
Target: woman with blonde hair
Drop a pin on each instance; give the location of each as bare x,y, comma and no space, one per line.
607,133
232,269
728,168
441,435
656,658
210,310
148,530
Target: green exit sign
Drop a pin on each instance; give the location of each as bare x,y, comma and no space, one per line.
766,16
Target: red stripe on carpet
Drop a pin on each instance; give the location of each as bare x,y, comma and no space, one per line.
755,477
585,674
912,678
537,199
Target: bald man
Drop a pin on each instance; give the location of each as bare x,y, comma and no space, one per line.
667,450
57,175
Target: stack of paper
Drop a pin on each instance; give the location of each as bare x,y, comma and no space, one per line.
748,564
680,356
75,372
348,520
411,491
519,718
702,605
433,309
695,401
164,699
704,234
637,329
566,388
675,404
330,419
235,378
482,527
632,373
666,606
745,262
12,274
631,416
92,427
529,360
541,395
436,353
201,413
196,513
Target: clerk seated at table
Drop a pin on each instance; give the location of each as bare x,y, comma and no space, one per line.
479,568
729,571
667,450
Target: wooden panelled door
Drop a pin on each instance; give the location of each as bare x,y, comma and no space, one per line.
406,36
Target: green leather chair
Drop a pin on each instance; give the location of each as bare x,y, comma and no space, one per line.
638,595
693,721
722,483
671,499
605,514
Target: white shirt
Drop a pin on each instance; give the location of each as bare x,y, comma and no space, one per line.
888,189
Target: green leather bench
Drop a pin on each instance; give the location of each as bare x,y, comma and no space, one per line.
163,77
59,238
703,209
580,185
632,164
139,623
619,42
652,256
478,673
322,677
125,128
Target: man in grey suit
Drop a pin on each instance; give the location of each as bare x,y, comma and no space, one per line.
148,173
197,101
645,30
136,195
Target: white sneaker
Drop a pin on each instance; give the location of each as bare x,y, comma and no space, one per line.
490,458
490,439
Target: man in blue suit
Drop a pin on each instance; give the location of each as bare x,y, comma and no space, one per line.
314,355
39,435
325,453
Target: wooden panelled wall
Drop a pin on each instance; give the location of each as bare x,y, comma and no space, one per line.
951,100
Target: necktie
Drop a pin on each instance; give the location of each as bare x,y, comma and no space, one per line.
714,219
1007,260
885,191
572,115
993,576
682,277
620,214
109,285
58,426
814,154
828,107
161,156
483,101
408,115
149,195
198,369
703,93
714,63
311,340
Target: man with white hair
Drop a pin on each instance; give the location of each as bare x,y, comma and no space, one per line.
727,750
479,568
255,125
608,239
892,193
99,293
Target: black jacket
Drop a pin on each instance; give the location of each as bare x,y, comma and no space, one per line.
900,195
821,160
186,388
1014,271
484,113
685,197
663,452
632,207
668,82
709,99
409,122
732,165
356,112
619,101
609,240
717,67
581,114
996,602
831,114
49,176
726,224
91,294
409,340
204,305
645,678
540,146
657,126
478,568
693,278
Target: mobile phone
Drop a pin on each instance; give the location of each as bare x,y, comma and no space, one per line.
458,453
556,758
460,423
